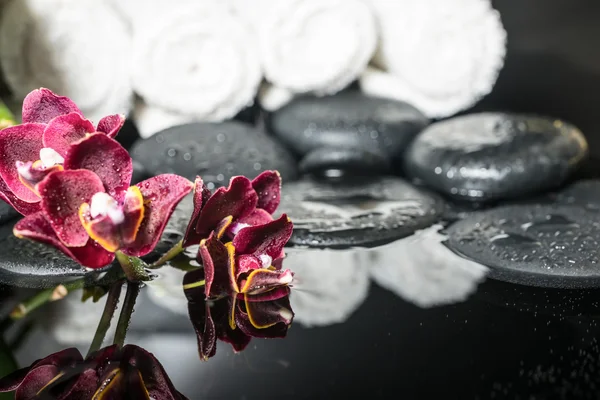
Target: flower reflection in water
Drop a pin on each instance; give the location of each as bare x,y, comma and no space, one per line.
110,373
236,318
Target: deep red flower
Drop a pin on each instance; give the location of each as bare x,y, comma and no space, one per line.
110,373
89,211
236,319
32,150
244,203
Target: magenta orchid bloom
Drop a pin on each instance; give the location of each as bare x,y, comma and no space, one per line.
251,263
244,203
37,147
89,211
110,373
236,319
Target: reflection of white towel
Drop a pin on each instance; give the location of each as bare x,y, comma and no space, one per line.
195,59
79,49
317,46
423,271
441,56
328,285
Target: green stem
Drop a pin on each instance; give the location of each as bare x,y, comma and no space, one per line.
45,296
134,268
133,289
169,255
112,300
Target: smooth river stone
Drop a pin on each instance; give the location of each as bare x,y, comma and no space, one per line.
536,245
215,151
7,213
24,263
489,156
345,214
329,161
583,193
347,120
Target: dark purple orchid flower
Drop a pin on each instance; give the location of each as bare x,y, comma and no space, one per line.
238,318
110,373
37,147
244,203
251,263
89,211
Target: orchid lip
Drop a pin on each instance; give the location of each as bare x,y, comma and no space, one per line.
24,168
49,157
266,260
102,204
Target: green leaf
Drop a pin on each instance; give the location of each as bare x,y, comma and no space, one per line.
6,117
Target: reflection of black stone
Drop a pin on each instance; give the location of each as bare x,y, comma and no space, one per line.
25,263
493,155
374,130
583,193
365,213
7,213
543,245
214,151
328,160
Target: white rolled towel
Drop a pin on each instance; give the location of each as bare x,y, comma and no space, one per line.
441,56
77,48
150,120
195,60
312,46
422,271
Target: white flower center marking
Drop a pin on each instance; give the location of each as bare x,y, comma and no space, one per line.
238,227
24,169
104,205
50,157
265,260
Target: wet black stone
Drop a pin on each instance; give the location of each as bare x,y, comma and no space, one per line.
366,213
7,213
139,173
535,245
24,263
128,134
495,156
215,151
583,193
347,120
326,161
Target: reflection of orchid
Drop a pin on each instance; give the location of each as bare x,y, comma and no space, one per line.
32,150
110,373
251,263
244,203
236,319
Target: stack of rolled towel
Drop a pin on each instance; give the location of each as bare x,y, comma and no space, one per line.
167,62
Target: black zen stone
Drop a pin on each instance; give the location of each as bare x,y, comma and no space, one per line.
139,173
7,213
344,214
333,160
535,245
347,120
25,263
582,193
215,151
489,156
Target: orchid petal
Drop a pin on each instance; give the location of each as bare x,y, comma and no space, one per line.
216,261
19,143
133,208
268,187
111,125
35,380
200,314
69,356
272,295
223,311
63,193
83,387
161,195
64,130
257,217
238,200
42,105
36,227
107,158
266,319
12,381
201,196
101,229
268,239
263,280
154,376
19,205
32,173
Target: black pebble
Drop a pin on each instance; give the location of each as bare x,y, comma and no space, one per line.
7,213
364,213
536,245
380,128
489,156
215,151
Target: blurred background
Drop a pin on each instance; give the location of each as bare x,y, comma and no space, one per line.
168,63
